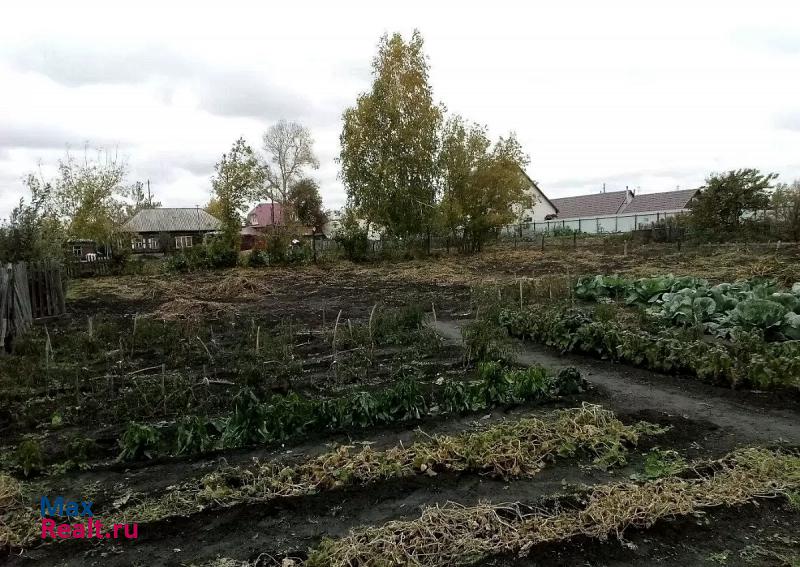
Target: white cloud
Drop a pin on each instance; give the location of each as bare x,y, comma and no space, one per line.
627,93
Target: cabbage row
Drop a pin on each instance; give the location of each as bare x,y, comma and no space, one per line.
720,309
746,361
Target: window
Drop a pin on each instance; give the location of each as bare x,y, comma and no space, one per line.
183,242
137,244
77,251
152,243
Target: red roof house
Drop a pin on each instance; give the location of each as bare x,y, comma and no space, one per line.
266,215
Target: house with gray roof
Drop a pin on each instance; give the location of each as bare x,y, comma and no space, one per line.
165,228
664,202
594,205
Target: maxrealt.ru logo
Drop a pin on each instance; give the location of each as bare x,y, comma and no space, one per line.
73,510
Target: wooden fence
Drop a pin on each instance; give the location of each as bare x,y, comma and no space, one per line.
29,291
98,267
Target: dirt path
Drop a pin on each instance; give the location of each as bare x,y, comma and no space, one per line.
631,389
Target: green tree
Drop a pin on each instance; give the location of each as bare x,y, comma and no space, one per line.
238,178
89,193
306,204
786,208
34,229
290,150
214,208
140,199
729,199
389,141
481,187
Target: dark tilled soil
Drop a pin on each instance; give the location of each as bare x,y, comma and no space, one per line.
291,526
766,533
706,422
747,417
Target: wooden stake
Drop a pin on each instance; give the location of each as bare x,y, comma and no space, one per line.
369,326
164,386
133,335
336,330
520,294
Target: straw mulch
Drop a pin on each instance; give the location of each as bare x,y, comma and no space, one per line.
458,535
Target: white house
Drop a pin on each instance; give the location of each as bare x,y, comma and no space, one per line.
542,208
334,224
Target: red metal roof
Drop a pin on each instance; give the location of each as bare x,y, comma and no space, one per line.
262,214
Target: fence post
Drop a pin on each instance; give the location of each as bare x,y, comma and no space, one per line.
542,242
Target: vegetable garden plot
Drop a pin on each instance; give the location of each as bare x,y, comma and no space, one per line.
458,535
517,449
723,309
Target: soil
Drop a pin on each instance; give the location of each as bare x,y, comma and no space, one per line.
289,527
747,417
705,422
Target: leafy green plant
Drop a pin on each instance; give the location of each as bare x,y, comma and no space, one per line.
138,441
246,424
457,397
287,416
29,457
195,434
405,401
661,463
495,383
485,341
569,381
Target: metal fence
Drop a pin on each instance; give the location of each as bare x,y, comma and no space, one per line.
587,225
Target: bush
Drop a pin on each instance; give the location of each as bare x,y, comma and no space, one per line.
215,254
355,242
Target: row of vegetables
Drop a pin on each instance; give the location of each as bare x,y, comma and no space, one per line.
745,361
290,418
720,309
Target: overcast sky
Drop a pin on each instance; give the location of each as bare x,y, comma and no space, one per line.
643,94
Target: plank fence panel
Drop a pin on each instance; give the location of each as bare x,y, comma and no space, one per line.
5,300
29,292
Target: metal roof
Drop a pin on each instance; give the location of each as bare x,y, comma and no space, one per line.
172,220
665,201
595,205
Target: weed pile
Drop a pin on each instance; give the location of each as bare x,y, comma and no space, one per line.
458,535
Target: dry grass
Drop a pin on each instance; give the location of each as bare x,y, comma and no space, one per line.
509,450
458,535
17,522
193,310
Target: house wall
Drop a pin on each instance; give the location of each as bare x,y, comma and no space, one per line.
84,248
540,209
159,246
